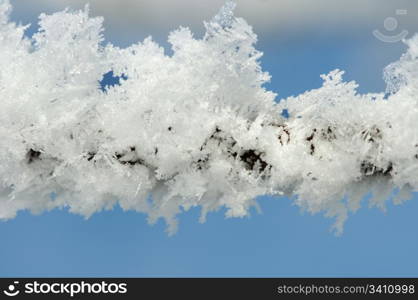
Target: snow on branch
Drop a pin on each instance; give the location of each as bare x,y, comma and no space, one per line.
196,128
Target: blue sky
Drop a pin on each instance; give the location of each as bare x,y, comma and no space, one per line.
282,241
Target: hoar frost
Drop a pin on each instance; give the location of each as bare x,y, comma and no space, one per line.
196,128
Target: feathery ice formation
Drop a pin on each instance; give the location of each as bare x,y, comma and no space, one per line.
196,128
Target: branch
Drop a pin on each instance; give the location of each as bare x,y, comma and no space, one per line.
196,128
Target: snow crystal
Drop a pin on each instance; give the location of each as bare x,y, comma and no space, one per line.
196,128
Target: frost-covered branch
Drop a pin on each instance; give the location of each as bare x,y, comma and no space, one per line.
196,128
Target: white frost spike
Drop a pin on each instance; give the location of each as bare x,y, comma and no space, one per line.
225,16
193,129
404,72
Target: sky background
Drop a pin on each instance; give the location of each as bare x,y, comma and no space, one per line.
300,39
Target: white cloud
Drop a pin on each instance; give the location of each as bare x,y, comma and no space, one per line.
267,16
